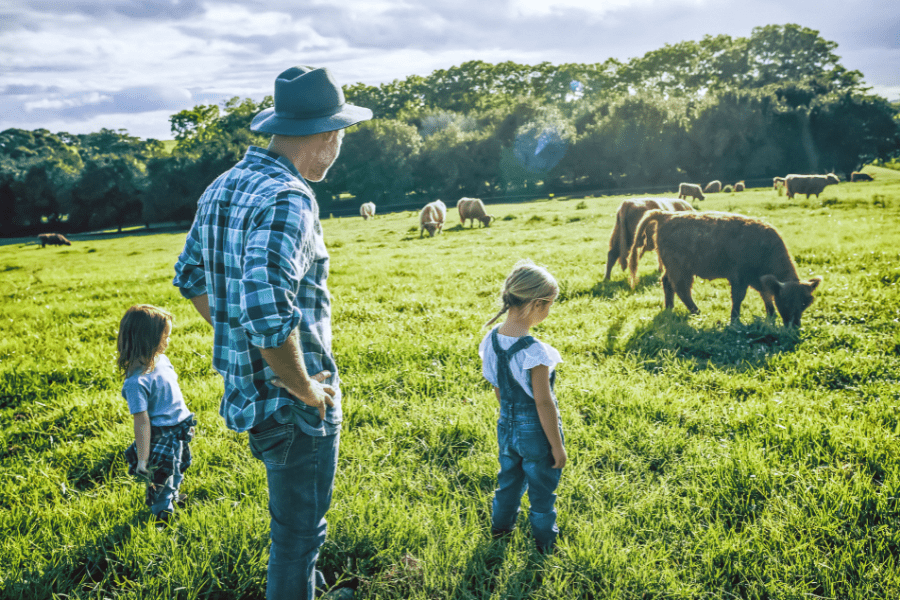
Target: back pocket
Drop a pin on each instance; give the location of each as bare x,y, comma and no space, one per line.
272,446
530,441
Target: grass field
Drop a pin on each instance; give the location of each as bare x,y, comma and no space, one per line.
705,461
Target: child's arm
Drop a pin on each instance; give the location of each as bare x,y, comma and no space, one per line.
543,399
142,439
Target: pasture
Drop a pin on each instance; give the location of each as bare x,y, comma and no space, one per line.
705,461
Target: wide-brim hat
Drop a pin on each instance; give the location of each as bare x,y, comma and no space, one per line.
308,101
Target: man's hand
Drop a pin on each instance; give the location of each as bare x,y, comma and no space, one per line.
559,457
318,395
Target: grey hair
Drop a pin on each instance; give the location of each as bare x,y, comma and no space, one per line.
526,283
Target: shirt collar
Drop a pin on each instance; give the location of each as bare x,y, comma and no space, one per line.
267,156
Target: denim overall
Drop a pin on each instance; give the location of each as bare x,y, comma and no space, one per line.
526,461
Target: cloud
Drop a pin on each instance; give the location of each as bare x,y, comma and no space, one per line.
131,100
132,9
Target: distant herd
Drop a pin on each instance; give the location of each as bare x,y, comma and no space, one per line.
746,251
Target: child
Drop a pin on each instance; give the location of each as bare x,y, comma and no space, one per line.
529,430
163,425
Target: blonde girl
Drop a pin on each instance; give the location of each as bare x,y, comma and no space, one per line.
163,425
529,430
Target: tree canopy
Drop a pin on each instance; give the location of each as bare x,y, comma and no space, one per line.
775,102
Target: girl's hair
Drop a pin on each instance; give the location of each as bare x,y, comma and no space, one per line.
140,337
527,282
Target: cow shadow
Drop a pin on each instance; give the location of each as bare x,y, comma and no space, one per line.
606,290
675,333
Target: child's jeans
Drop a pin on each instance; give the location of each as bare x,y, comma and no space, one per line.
526,462
163,498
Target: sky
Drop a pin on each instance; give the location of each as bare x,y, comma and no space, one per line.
82,65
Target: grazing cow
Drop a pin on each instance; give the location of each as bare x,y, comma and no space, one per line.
718,245
808,184
53,239
690,189
858,176
367,210
627,218
713,187
472,209
739,186
776,181
432,218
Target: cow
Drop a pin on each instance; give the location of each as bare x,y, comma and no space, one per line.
858,176
53,239
808,184
432,217
627,218
367,210
713,187
717,245
739,186
690,189
777,181
472,209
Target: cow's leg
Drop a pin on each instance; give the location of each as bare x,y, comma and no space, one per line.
683,289
738,293
668,291
611,258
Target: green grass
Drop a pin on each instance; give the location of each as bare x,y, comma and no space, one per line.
705,461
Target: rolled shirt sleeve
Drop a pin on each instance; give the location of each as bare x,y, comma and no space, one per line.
279,251
190,274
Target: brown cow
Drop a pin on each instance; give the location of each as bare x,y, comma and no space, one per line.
472,209
627,218
717,245
713,187
53,239
808,184
739,186
690,189
431,218
776,181
859,176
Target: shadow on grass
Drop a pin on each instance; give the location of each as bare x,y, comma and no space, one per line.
79,569
748,345
606,289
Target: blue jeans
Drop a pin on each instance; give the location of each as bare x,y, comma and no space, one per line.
167,495
526,462
300,470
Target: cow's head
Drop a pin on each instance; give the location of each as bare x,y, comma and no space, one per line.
832,178
432,227
486,220
791,297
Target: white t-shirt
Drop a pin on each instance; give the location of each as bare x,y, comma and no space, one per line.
522,362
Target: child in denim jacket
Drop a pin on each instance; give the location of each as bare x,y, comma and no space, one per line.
529,431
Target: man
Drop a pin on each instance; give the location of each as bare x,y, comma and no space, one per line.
255,267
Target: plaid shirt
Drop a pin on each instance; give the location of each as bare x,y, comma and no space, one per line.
256,248
163,450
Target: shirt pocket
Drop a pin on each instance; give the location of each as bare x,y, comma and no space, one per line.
530,441
272,446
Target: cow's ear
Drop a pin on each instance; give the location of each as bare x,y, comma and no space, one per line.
771,284
814,283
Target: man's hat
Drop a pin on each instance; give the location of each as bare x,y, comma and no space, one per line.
308,101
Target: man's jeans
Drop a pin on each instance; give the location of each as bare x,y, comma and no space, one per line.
300,470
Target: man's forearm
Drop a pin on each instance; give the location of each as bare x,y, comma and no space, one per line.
287,362
201,303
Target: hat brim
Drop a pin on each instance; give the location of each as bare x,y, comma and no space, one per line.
269,122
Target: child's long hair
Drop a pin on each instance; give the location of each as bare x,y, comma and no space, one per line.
527,282
140,337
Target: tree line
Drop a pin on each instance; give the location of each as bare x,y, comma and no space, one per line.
776,102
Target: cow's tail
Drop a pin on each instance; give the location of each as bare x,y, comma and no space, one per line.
643,240
619,240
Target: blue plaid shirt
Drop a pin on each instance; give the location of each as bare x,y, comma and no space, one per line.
256,248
